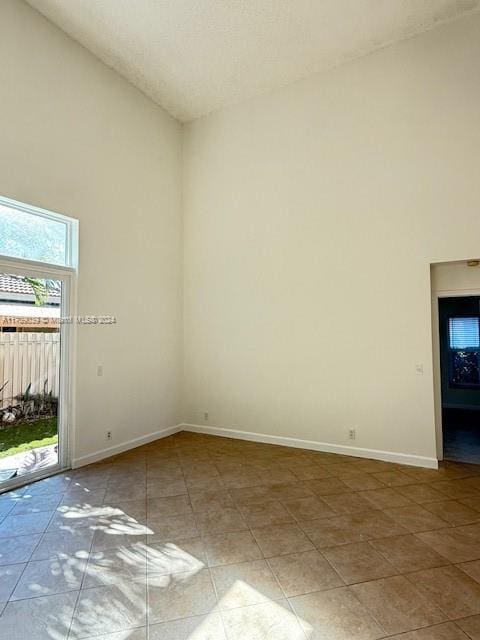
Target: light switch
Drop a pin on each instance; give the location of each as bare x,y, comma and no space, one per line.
419,369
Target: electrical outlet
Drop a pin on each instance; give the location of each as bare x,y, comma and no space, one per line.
100,370
109,435
205,416
352,434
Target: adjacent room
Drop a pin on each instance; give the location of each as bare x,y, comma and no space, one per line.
240,320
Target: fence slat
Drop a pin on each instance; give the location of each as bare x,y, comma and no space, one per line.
30,357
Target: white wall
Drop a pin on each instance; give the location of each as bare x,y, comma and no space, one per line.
312,215
76,138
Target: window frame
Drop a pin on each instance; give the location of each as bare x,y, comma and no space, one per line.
71,235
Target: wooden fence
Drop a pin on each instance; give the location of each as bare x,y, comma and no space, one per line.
28,358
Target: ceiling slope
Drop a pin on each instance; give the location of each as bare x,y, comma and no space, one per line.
196,56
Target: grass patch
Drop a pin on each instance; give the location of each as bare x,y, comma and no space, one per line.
28,436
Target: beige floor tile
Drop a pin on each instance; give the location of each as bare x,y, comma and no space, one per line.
130,634
116,566
170,506
262,514
326,487
115,492
38,618
443,631
454,544
180,595
421,493
398,605
244,584
375,524
300,573
280,475
348,502
454,592
393,478
310,472
230,548
88,517
109,609
345,470
9,576
166,489
362,482
358,562
264,522
308,508
408,553
129,510
25,524
385,498
35,504
471,626
267,621
415,518
113,538
229,519
18,549
49,577
455,489
281,539
55,484
335,615
207,484
239,480
291,491
473,502
453,511
208,627
328,532
472,569
210,500
375,466
176,557
171,528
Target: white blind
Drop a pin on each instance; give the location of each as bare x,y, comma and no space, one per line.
464,333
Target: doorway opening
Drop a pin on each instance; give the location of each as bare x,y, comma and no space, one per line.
459,330
456,305
37,256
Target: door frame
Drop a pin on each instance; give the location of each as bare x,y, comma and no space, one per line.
66,404
437,373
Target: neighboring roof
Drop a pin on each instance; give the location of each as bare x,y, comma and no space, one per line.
18,286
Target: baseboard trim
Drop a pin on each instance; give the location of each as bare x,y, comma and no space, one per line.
375,454
125,446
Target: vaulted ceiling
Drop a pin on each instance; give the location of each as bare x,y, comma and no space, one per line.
195,56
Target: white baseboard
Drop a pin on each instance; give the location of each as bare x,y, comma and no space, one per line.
375,454
124,446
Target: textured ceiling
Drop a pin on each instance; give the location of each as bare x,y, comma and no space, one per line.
195,56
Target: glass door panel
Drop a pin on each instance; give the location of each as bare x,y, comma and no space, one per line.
30,376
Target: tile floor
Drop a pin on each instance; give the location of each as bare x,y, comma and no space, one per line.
201,538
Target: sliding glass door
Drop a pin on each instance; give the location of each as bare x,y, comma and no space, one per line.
34,373
35,345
